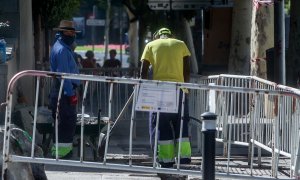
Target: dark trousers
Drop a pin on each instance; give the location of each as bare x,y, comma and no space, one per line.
66,119
169,123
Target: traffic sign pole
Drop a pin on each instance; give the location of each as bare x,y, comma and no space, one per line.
93,28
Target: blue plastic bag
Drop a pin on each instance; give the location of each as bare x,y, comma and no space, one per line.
2,51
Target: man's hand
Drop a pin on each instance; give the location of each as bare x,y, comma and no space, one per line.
73,100
186,68
144,69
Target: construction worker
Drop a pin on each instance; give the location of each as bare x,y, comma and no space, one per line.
169,58
62,60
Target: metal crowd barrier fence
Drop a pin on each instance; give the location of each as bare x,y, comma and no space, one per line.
265,121
99,91
242,105
121,92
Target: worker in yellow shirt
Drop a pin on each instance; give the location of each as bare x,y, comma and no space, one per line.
170,61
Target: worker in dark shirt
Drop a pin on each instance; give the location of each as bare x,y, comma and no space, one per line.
112,62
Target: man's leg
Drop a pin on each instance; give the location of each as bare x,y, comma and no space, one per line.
185,151
66,128
166,147
152,126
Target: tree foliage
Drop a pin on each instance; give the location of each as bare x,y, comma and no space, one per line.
52,11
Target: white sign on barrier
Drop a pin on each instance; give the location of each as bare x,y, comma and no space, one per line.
158,98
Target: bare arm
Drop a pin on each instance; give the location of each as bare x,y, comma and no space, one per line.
186,68
144,69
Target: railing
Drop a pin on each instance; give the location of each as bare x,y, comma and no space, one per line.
251,112
265,121
99,91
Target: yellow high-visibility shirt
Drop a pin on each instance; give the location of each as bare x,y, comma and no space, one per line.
166,58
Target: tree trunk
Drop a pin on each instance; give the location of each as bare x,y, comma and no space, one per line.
133,34
190,44
239,57
107,25
293,60
184,33
262,38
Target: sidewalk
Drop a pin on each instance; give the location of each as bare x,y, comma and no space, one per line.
78,173
118,153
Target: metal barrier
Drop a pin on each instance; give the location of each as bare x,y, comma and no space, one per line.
266,121
98,91
243,105
121,92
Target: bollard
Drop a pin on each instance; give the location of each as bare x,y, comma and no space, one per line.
208,145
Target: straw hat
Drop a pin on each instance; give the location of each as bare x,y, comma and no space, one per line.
66,25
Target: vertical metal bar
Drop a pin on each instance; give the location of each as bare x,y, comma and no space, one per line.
218,111
35,115
56,117
91,99
126,97
256,108
7,132
134,129
248,108
238,114
156,139
135,91
261,115
230,133
180,133
199,99
109,120
82,120
277,137
225,120
234,113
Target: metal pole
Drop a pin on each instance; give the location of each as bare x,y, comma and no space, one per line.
121,33
106,37
94,27
202,42
279,39
209,145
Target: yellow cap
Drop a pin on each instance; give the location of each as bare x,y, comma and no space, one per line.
164,31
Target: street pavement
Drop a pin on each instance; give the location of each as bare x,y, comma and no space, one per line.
118,153
117,148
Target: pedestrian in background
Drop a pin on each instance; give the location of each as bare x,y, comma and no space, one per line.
62,60
170,61
78,58
112,62
89,61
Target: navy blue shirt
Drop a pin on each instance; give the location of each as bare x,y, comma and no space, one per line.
62,60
